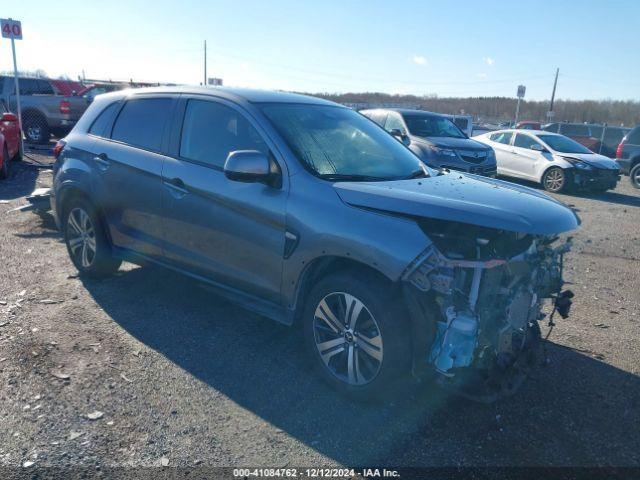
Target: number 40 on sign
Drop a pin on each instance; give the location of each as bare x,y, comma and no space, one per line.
11,28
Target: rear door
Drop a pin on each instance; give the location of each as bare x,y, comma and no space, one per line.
127,161
501,144
525,161
228,231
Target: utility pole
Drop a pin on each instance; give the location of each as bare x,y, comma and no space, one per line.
553,96
205,64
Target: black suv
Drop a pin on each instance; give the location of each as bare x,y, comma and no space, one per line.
436,140
628,156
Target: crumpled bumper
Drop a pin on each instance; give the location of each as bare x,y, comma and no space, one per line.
476,323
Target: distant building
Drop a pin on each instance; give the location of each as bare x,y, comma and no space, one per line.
216,82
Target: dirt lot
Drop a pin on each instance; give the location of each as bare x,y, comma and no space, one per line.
185,378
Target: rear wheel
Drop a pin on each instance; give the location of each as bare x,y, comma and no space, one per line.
87,242
634,175
36,129
4,169
357,334
554,180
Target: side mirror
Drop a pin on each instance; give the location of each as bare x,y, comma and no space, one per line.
9,117
400,135
538,148
249,166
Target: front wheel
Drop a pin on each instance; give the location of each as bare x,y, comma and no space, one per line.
554,180
634,175
357,334
87,242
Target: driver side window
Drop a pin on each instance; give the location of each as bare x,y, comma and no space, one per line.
525,141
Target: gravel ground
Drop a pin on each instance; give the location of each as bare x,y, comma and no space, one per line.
181,377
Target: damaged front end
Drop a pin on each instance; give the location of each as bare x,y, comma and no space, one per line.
485,288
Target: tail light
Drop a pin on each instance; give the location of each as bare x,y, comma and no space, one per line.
65,106
619,149
58,148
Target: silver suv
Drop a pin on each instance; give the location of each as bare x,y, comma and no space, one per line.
306,212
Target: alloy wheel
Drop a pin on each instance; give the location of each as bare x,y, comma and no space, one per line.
81,237
636,177
554,180
348,338
34,133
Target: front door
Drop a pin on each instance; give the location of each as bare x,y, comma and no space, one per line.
229,231
525,159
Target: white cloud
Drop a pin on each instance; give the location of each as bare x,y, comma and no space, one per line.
419,60
481,76
489,61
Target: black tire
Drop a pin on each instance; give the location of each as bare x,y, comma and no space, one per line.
4,170
36,129
634,176
18,156
554,180
99,264
369,378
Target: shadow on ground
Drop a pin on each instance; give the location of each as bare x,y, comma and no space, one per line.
567,414
22,181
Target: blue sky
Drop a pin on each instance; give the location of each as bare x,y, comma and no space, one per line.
447,48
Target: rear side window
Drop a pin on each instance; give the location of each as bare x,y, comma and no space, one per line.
634,136
141,122
44,88
502,137
524,141
211,131
100,126
574,130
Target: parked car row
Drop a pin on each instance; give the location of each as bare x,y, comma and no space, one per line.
45,110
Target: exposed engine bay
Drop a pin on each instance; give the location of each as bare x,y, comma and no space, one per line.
486,288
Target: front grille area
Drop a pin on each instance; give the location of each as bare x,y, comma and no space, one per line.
472,156
487,171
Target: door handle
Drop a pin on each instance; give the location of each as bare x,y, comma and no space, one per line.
176,186
102,161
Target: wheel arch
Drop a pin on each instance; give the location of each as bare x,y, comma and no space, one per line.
321,267
31,112
73,191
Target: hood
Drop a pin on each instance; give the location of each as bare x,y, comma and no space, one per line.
467,199
453,143
593,159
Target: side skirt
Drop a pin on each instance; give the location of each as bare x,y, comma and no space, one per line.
242,299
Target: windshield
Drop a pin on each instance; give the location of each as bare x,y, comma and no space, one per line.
431,126
340,144
563,144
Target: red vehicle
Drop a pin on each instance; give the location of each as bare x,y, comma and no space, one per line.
529,125
67,88
9,139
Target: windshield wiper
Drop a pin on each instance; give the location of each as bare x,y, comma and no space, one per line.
350,177
417,174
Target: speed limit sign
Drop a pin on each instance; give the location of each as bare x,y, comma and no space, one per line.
11,28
